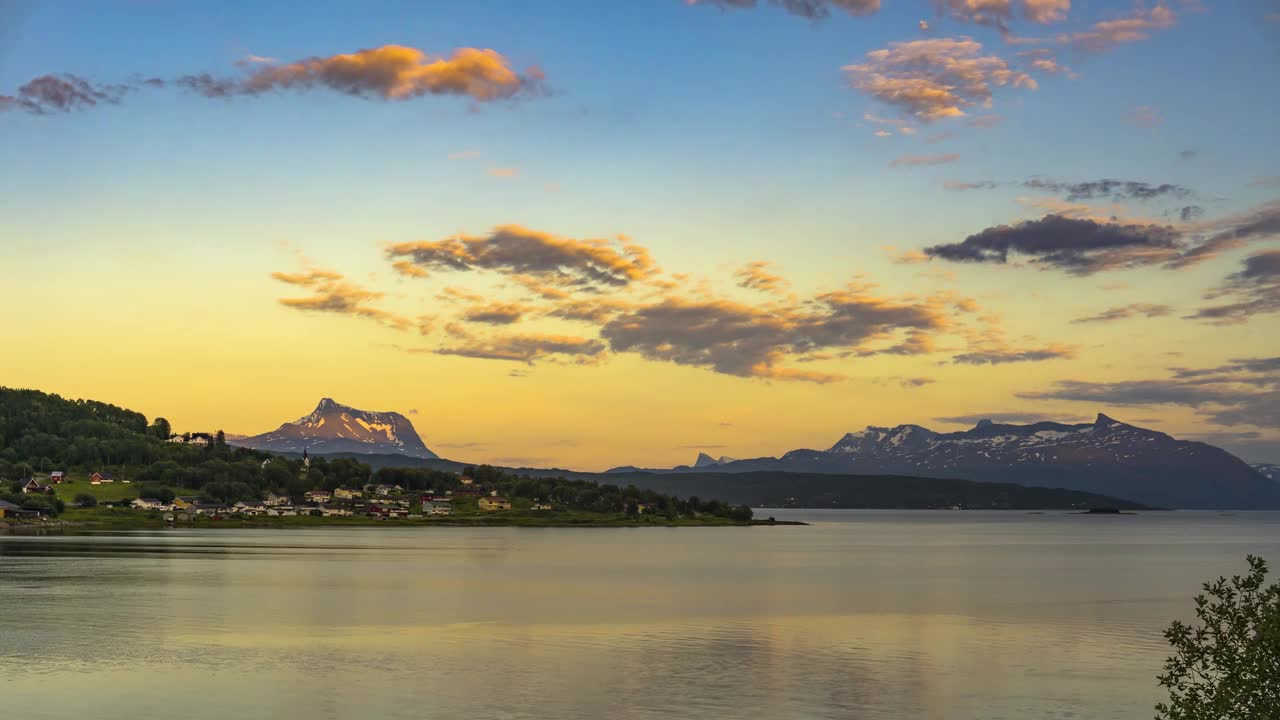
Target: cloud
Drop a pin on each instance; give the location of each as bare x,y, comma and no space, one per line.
1242,392
331,294
504,172
1117,190
529,348
812,9
1146,116
1107,34
960,186
915,382
517,250
753,341
1187,154
49,94
934,78
756,276
1017,418
998,13
1127,311
1255,290
1002,356
1190,212
924,160
496,313
390,72
1081,247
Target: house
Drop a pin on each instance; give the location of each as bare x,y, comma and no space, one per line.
100,478
385,490
200,439
185,502
252,509
211,509
9,510
494,503
436,507
57,477
282,511
347,494
317,496
274,500
542,506
149,504
37,487
305,510
467,480
329,511
386,511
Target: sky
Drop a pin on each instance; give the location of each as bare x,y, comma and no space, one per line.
589,234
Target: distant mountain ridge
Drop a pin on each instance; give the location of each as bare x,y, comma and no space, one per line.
1271,471
1106,457
336,428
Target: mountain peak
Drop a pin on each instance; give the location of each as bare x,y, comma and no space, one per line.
983,423
336,428
1104,421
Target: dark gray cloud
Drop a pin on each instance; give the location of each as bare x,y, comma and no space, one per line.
1187,154
752,341
497,313
516,250
49,94
812,9
1118,190
529,348
1254,290
1150,310
1244,391
1078,246
1003,356
1190,212
1084,246
1016,418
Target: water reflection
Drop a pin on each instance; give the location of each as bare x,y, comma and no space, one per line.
889,616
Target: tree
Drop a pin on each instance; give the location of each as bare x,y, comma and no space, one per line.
1227,666
86,500
220,439
161,428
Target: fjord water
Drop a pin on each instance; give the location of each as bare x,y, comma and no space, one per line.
956,615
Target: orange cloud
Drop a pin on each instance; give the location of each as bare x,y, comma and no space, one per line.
331,294
390,72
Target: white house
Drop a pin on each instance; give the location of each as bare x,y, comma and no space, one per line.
436,507
326,511
274,500
150,504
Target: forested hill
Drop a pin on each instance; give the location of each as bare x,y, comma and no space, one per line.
41,433
817,490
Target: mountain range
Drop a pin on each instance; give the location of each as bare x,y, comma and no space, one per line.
334,428
1106,456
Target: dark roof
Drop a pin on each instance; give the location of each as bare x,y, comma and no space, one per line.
8,506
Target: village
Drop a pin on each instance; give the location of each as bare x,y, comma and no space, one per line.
377,501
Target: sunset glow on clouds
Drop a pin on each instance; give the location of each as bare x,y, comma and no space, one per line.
773,221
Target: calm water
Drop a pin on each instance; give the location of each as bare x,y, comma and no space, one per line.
955,615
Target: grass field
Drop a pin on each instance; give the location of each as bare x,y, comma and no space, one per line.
68,491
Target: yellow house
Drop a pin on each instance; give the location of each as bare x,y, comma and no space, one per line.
495,503
185,503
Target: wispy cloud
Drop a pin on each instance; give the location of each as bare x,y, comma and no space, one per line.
924,160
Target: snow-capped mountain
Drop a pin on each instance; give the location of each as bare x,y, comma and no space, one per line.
1271,471
1106,457
334,428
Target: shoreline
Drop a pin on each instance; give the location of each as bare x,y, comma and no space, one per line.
128,524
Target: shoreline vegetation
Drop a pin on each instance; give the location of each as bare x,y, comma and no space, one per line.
97,465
